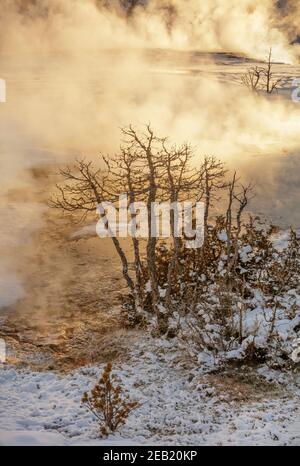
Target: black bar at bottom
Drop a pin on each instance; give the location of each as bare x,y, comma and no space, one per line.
135,455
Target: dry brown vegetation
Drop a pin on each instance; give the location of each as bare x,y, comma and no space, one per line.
108,403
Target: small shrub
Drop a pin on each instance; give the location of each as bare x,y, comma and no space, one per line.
108,403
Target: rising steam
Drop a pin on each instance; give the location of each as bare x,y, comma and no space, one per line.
77,70
244,26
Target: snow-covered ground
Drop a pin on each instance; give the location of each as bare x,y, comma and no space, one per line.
178,405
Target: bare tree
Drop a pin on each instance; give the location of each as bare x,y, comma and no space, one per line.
145,169
252,79
262,78
271,83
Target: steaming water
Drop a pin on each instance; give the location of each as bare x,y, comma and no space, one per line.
56,110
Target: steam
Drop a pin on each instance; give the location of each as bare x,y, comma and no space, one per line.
247,27
76,71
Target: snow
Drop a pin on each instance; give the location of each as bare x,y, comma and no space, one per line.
296,350
24,438
178,405
223,236
36,438
281,239
244,253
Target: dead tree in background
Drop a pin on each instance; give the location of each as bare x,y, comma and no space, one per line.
262,78
270,82
252,79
